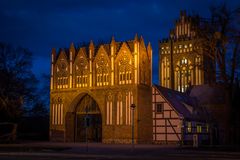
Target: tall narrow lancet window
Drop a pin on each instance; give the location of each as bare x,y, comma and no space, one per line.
165,72
119,109
109,110
128,102
81,71
183,74
198,70
62,74
57,111
102,71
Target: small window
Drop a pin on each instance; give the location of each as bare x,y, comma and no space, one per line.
207,128
104,78
189,127
199,129
159,107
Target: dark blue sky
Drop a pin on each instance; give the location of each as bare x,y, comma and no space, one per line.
40,25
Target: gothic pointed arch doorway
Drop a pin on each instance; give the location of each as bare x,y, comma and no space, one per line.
88,121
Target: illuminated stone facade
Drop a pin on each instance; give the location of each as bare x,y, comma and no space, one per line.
92,88
189,62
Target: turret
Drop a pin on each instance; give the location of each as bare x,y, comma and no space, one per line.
53,59
91,50
141,41
149,50
113,50
91,55
54,53
136,59
136,40
113,46
72,51
72,56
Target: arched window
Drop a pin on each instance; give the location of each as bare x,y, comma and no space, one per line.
62,75
125,70
102,71
81,72
183,74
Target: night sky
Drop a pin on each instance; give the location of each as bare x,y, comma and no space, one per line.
40,25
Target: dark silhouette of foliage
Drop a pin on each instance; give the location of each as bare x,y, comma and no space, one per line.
17,82
39,110
220,40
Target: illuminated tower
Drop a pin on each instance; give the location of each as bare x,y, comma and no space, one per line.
182,61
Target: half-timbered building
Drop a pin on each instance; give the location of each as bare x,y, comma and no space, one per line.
177,118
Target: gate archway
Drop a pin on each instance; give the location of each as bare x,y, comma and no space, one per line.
88,126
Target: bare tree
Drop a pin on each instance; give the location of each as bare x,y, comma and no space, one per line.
17,82
41,104
219,38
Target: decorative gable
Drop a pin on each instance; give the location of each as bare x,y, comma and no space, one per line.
124,51
102,57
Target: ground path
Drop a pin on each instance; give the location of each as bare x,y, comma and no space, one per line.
97,151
